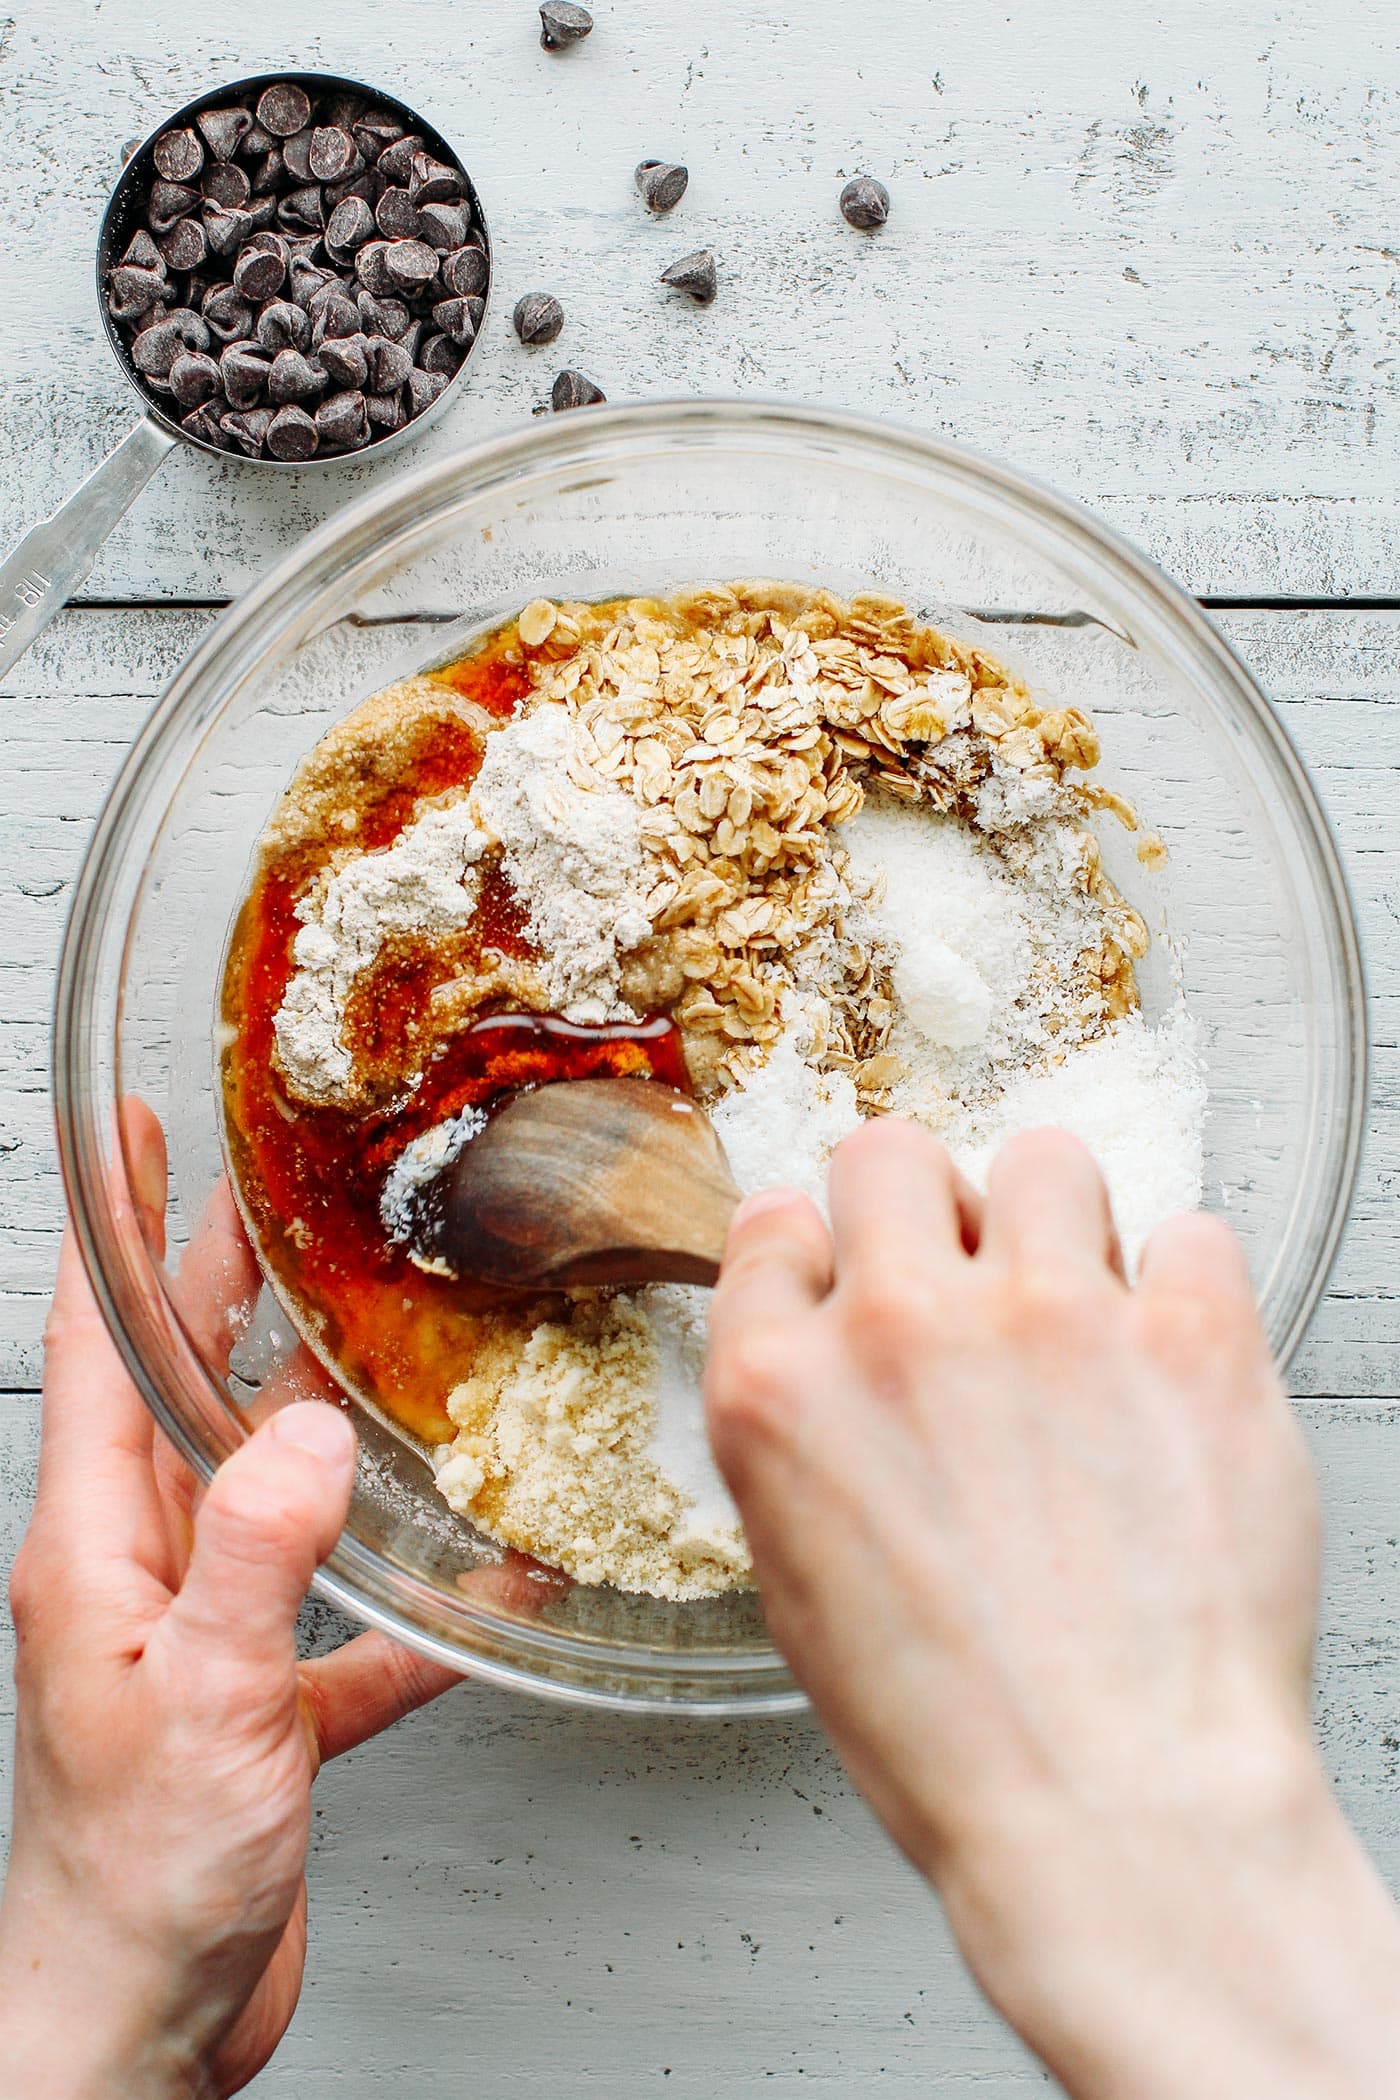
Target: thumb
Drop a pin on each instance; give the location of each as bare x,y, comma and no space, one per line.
272,1513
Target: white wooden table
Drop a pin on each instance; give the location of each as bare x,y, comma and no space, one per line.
1147,254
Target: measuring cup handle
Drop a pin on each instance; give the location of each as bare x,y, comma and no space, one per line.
51,561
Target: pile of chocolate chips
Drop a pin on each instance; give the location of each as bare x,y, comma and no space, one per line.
308,278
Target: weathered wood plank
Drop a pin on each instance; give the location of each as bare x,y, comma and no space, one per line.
1148,259
69,709
588,1904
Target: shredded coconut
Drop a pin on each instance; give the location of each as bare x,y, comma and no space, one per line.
573,858
425,884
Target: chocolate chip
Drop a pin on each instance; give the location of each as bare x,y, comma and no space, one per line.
203,423
248,428
294,378
302,210
257,140
185,246
371,268
342,421
572,390
155,349
262,213
411,337
343,108
244,375
142,251
865,203
283,108
374,131
562,23
389,365
395,163
168,202
424,389
336,317
224,130
194,378
369,184
386,412
349,226
395,216
440,354
269,174
538,317
178,155
332,154
409,265
464,272
662,183
346,359
261,269
305,279
694,274
433,181
135,291
226,230
229,317
224,182
459,318
283,326
292,434
444,226
296,155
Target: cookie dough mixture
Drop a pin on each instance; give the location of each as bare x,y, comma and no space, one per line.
838,862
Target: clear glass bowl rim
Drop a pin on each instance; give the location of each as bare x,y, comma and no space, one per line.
287,605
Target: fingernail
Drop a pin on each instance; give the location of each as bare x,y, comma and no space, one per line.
766,1199
315,1426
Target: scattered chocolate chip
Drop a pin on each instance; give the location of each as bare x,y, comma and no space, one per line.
374,131
662,183
229,316
444,226
302,210
342,421
134,291
292,434
332,155
296,155
178,155
248,429
283,326
409,265
244,375
225,230
349,226
389,365
184,247
224,130
395,163
562,23
203,423
440,354
433,181
694,274
538,317
464,272
865,203
261,269
194,378
396,216
168,202
284,108
224,182
572,390
424,389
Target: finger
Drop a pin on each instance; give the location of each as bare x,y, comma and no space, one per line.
1047,1205
777,1265
363,1688
898,1204
147,1173
1195,1256
218,1279
272,1513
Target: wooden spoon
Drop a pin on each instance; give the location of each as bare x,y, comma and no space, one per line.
586,1181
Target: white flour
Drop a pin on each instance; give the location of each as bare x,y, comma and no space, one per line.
573,858
426,883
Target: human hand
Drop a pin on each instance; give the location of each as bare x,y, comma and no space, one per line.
153,1926
1043,1550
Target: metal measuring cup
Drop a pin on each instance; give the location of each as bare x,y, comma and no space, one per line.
41,574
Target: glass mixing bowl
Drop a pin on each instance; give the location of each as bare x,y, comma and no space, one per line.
1257,929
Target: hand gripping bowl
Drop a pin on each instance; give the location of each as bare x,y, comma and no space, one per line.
622,501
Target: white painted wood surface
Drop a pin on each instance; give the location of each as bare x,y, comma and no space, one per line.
1151,257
